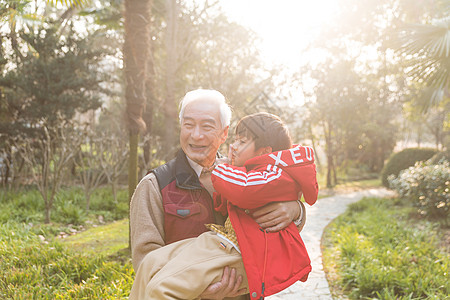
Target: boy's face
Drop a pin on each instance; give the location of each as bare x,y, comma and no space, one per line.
242,149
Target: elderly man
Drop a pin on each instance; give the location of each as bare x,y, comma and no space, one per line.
174,201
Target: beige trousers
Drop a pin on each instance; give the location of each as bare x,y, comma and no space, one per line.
183,270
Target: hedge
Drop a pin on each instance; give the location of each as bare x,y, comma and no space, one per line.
403,160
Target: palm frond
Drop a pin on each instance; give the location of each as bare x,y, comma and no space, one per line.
70,3
426,49
432,40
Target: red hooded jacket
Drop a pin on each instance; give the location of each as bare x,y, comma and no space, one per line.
273,261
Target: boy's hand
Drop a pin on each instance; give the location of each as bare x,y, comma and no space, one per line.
227,287
230,153
276,216
223,160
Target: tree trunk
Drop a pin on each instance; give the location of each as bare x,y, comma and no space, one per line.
333,170
147,149
114,190
15,180
148,114
88,201
329,168
329,153
313,144
135,56
419,134
170,108
132,174
47,215
48,208
132,166
7,167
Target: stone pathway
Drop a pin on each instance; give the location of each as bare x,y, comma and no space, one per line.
318,217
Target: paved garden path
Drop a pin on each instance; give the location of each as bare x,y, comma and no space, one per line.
318,217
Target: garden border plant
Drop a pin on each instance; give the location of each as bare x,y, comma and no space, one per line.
375,251
404,159
427,187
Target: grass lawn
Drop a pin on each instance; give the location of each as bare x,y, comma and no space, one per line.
373,251
90,265
381,249
104,240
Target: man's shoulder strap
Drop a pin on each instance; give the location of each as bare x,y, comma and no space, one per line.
165,174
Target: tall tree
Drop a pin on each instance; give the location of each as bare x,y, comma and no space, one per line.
56,75
195,45
358,128
363,32
47,155
336,94
136,46
135,56
174,52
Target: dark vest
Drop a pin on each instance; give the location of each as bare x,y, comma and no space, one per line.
187,205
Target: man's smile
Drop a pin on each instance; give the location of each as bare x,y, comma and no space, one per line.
197,147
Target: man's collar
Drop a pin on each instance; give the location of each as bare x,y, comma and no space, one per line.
195,166
186,176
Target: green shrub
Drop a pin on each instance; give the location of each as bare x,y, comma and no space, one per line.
102,198
121,211
374,252
427,187
73,194
27,206
403,160
438,157
69,213
24,206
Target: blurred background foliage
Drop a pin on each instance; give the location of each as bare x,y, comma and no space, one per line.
381,85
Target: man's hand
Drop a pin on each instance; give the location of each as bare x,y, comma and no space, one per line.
227,287
276,216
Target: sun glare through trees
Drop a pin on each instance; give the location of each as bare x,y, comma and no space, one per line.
286,27
89,103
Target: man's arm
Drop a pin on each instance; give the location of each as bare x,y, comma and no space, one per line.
276,216
146,219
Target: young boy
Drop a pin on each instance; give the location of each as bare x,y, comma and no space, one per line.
266,168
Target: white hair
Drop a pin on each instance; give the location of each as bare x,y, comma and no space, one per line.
211,96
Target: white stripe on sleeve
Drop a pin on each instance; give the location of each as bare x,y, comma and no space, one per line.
228,175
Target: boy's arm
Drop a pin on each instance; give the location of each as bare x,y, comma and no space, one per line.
251,189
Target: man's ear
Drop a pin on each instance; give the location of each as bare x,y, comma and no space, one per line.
264,150
224,135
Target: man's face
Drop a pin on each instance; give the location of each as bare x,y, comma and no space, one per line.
201,132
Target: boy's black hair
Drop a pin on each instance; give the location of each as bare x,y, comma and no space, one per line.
265,130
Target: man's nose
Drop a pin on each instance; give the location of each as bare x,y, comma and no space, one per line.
197,133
